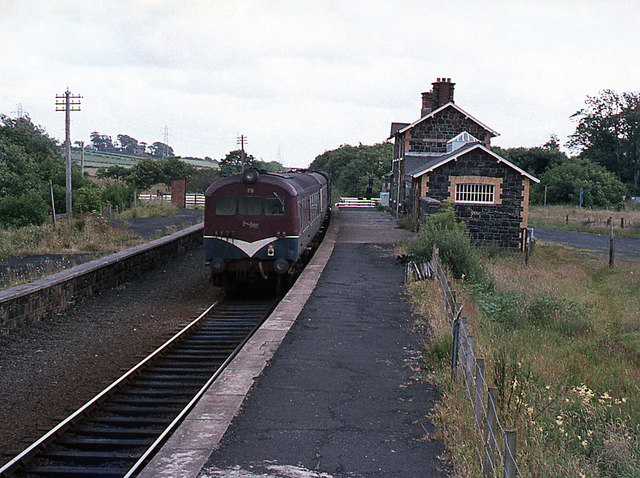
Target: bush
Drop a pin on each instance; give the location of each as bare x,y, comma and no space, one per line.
452,239
88,198
18,211
118,194
600,187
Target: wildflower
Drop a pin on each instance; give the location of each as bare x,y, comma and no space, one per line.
559,420
584,443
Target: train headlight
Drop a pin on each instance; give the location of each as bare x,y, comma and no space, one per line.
217,266
250,176
281,266
271,251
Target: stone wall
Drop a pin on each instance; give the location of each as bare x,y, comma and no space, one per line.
432,134
55,293
488,224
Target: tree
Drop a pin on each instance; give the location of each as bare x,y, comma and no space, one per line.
128,144
232,162
114,171
351,167
101,141
201,180
29,158
160,150
268,166
608,132
534,160
600,187
145,174
174,168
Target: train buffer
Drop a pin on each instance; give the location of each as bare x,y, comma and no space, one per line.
357,203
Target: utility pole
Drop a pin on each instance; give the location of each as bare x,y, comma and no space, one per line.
166,142
242,140
68,103
81,143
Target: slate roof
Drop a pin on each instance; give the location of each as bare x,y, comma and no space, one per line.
417,164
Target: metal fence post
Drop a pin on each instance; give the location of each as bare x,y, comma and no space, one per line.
479,391
510,454
489,465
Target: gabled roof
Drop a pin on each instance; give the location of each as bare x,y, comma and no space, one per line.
436,162
438,110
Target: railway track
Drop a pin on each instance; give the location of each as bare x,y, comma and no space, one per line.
116,433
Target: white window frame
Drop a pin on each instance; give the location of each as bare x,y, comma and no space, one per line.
475,193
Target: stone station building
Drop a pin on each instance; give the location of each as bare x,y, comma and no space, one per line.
446,155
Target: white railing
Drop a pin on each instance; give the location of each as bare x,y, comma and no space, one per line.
192,200
357,202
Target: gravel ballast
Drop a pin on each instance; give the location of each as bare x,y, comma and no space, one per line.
51,368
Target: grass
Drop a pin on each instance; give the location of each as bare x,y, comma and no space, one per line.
562,344
93,235
86,235
572,218
150,209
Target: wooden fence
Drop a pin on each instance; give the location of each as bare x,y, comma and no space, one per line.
499,444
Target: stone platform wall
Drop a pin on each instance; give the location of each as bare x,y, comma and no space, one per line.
55,293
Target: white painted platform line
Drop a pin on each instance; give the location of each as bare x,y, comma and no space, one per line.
188,449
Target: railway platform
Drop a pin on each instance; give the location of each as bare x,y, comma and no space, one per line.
324,388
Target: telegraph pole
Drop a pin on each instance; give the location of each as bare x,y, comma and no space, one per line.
68,103
81,144
242,139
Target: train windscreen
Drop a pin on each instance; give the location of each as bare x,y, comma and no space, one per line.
225,206
249,206
274,206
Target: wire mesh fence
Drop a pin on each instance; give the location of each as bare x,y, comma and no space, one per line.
498,443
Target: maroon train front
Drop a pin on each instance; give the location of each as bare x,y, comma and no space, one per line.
259,225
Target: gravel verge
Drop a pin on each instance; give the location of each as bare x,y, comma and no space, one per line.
51,368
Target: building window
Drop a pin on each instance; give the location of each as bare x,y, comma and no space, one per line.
475,193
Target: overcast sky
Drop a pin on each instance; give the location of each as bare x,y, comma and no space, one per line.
302,77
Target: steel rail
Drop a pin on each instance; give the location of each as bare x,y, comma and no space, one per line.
165,434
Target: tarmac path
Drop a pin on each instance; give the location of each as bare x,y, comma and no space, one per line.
338,398
592,246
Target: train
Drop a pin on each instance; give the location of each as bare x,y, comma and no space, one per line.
260,226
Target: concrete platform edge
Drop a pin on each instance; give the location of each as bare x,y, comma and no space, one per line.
187,450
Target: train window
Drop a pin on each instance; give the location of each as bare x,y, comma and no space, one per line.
274,206
249,206
225,206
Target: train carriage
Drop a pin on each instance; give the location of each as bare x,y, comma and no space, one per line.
258,226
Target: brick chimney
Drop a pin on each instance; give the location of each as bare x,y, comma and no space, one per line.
442,92
427,103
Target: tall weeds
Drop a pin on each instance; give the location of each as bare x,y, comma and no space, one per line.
562,344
